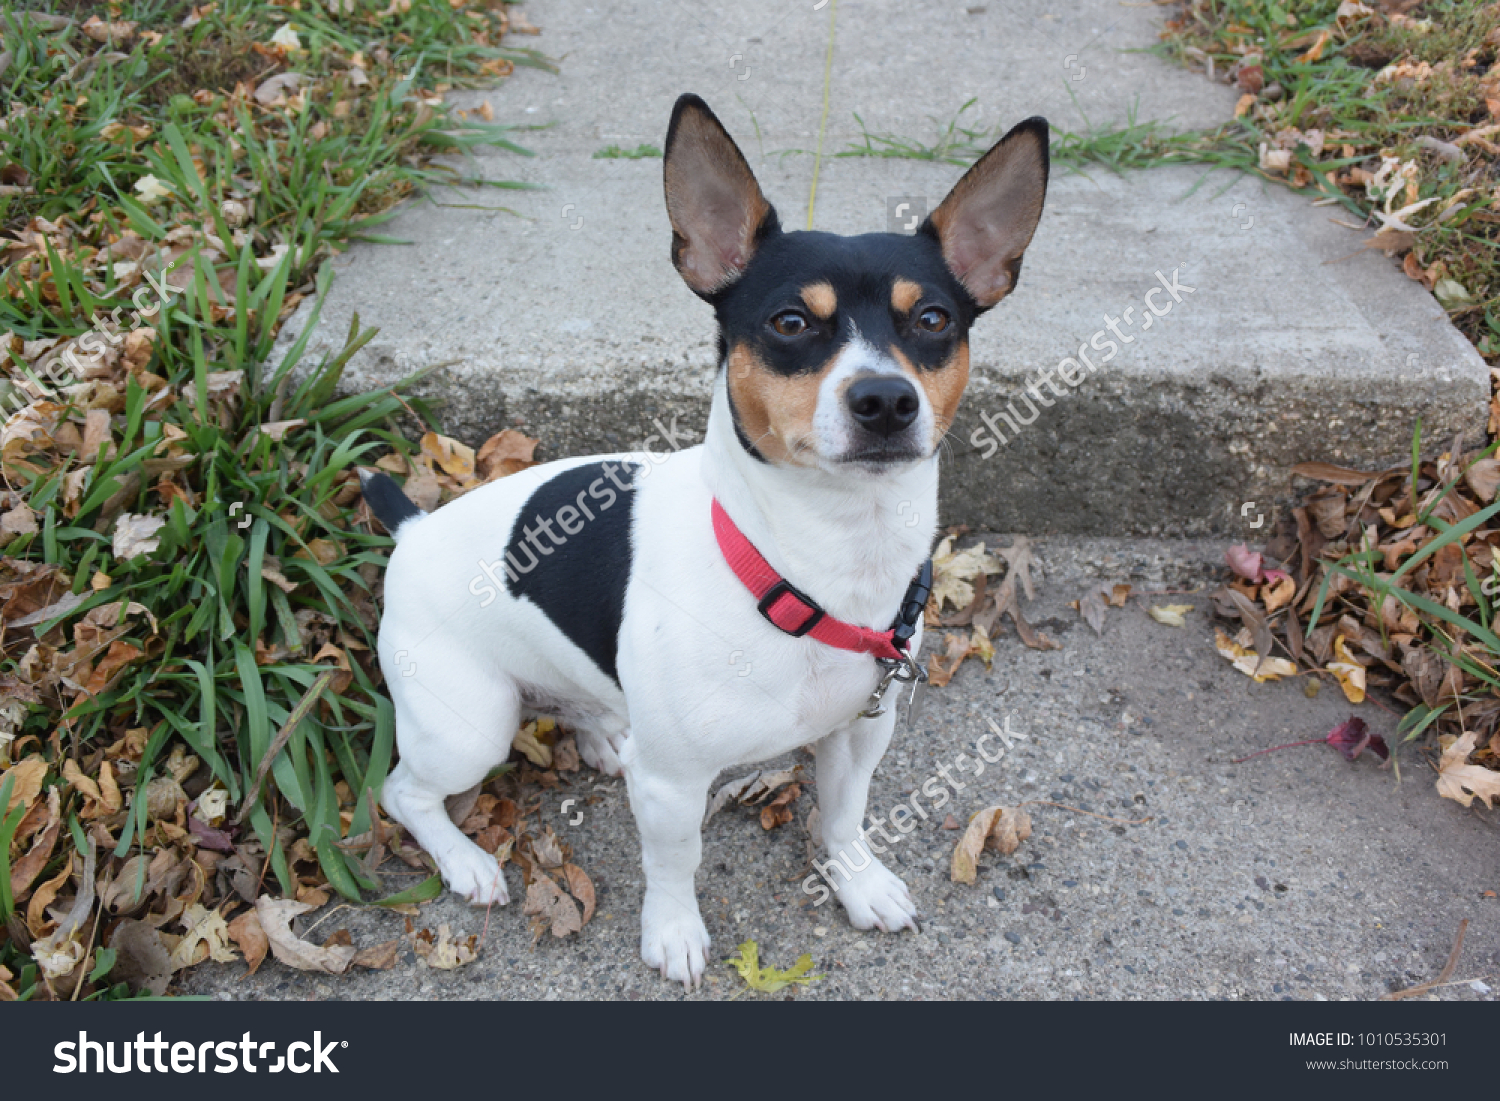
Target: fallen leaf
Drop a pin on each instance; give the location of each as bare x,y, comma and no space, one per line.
1000,828
135,535
504,454
143,960
245,931
275,921
770,980
205,936
581,888
1170,614
778,812
379,957
1463,782
547,906
25,781
1352,737
1092,606
953,572
751,790
1250,663
529,744
1350,674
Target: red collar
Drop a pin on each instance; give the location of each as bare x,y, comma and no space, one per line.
791,611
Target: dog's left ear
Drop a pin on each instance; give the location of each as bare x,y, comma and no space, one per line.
717,211
987,220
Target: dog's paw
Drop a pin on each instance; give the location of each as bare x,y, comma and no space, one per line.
474,875
599,753
674,940
876,898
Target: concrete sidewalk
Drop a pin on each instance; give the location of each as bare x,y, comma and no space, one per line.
567,318
1296,875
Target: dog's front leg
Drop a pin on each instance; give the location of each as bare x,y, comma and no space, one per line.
873,895
668,807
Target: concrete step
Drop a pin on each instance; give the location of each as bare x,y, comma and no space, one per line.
567,318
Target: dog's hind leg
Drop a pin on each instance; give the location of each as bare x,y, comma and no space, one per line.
452,727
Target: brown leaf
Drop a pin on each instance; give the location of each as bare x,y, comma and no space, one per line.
582,889
143,960
275,920
941,667
23,872
1000,828
505,453
1484,478
245,931
378,957
26,781
36,910
442,951
778,812
547,905
454,458
1463,782
1118,595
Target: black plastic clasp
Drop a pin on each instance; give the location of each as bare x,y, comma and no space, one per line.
775,592
912,606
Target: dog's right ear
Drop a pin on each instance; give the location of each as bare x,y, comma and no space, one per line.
717,212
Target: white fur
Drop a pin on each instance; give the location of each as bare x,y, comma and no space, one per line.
850,538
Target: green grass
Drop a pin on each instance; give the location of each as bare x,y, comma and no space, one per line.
256,198
615,153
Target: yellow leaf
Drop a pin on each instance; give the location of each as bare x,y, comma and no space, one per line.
528,742
1463,782
1002,828
1171,614
768,980
205,936
456,459
953,571
981,647
1350,673
1249,662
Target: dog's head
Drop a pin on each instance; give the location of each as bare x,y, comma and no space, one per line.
846,353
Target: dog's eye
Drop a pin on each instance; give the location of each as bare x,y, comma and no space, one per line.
933,320
789,323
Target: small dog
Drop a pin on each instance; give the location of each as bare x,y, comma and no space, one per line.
731,601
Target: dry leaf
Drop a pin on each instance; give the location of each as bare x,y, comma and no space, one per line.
275,921
581,887
378,957
1171,614
1350,673
26,781
205,936
136,535
751,790
1001,828
1250,663
547,905
1463,782
245,931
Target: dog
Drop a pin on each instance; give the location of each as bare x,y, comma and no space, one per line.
732,601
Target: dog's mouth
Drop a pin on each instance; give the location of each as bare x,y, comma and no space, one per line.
882,456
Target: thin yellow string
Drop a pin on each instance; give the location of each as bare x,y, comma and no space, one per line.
812,198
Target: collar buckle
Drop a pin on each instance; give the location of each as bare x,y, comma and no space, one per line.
785,588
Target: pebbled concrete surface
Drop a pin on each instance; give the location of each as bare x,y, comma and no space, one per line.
565,317
1297,875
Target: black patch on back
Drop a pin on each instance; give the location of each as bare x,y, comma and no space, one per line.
580,581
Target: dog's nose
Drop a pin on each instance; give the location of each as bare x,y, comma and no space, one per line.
883,404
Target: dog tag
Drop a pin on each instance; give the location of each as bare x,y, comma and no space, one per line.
914,700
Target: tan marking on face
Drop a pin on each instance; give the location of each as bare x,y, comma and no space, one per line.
944,386
904,295
775,411
821,300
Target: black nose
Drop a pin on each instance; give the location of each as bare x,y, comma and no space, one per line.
883,404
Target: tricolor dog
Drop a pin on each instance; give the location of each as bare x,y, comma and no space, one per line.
738,599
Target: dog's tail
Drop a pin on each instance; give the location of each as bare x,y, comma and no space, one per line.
391,507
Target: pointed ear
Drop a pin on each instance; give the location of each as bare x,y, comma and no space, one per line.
987,220
717,212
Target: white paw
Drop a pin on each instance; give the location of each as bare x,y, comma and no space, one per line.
674,941
474,875
598,753
876,898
